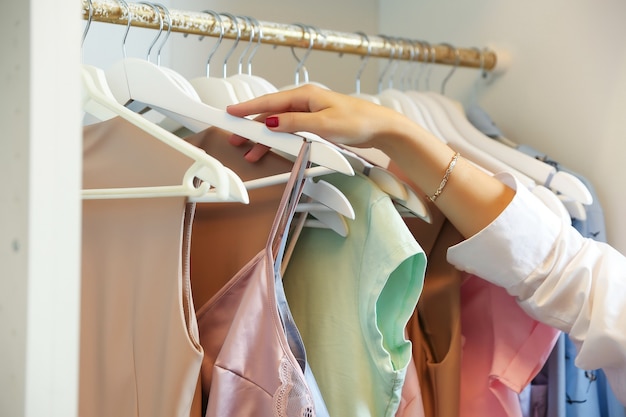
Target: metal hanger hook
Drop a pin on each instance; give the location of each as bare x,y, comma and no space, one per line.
257,25
87,25
168,16
158,14
129,19
300,66
235,23
457,60
220,22
392,54
432,52
403,74
248,21
365,59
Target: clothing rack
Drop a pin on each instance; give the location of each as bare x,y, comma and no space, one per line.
293,35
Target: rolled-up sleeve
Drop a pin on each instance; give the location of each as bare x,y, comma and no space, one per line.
572,283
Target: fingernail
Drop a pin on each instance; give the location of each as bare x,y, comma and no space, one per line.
271,121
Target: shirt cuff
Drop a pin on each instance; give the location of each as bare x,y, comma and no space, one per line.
510,248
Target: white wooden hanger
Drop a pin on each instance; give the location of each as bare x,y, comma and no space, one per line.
539,171
141,85
257,84
218,92
246,85
217,180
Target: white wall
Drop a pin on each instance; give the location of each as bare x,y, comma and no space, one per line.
40,166
565,90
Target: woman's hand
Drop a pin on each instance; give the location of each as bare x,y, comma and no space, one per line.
336,117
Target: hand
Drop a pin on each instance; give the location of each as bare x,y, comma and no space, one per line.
336,117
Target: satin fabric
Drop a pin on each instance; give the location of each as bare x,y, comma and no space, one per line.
249,367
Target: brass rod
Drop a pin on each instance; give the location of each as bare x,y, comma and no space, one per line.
205,24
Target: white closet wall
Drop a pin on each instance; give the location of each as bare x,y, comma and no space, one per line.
40,165
565,90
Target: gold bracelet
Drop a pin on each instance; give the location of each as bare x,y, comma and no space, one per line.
445,178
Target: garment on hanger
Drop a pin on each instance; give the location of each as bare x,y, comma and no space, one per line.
503,349
351,298
435,327
587,392
251,346
227,235
411,402
536,260
140,352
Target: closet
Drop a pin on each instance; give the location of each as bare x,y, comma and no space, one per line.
41,206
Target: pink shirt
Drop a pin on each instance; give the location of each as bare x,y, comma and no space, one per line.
572,283
503,349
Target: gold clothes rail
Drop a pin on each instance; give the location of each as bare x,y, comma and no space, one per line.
205,24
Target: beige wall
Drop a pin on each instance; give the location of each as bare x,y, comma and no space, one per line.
565,90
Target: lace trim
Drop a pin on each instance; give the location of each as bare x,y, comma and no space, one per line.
292,398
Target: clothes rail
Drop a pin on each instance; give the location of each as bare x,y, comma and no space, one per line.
205,24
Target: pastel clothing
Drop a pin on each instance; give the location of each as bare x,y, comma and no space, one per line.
254,361
351,298
139,352
587,393
435,327
503,350
572,283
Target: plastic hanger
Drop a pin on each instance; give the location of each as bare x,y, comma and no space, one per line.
98,100
300,67
539,171
247,86
257,84
218,92
330,206
141,85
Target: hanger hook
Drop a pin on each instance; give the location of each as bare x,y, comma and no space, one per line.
129,19
457,60
433,54
220,22
416,48
300,66
235,23
396,61
392,53
365,59
425,51
483,73
89,18
168,16
248,21
158,14
403,74
258,27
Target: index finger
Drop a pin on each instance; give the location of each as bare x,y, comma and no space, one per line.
283,101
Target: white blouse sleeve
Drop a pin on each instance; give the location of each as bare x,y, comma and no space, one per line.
572,283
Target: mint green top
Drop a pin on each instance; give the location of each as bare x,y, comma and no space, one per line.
351,299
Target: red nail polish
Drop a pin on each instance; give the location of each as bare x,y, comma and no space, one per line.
271,121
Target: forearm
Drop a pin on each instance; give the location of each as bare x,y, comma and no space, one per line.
471,198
